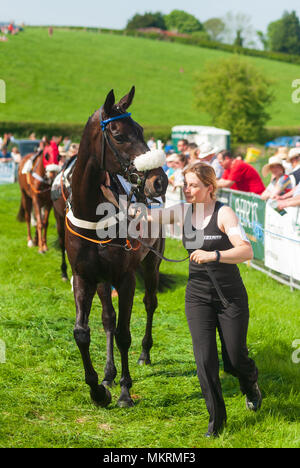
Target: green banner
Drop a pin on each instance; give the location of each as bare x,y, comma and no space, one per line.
250,209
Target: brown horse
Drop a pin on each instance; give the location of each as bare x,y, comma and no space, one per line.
106,151
35,184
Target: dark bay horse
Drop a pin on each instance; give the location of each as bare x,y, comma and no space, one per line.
110,144
35,183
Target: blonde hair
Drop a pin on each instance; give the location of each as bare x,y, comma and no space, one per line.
206,174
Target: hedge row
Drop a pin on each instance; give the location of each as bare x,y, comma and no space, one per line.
74,131
191,40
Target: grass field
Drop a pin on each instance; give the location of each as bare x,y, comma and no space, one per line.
45,402
66,78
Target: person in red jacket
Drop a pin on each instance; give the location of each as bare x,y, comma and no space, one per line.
239,175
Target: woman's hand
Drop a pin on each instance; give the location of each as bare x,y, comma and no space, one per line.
201,256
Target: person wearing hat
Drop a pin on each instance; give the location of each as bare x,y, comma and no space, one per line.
283,153
208,154
280,183
294,160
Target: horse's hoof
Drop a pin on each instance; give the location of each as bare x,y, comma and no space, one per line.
64,279
41,252
30,244
109,383
101,396
144,362
128,403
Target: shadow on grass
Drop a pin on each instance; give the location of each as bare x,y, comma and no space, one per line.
167,282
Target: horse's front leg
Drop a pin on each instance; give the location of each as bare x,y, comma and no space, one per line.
123,338
84,293
109,325
151,277
39,223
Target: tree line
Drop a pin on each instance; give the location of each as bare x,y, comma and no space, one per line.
282,35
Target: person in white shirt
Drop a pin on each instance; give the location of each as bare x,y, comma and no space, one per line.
15,155
208,154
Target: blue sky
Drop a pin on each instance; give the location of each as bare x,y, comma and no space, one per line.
114,14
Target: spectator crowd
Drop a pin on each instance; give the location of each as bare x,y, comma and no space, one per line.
56,150
7,29
231,171
234,173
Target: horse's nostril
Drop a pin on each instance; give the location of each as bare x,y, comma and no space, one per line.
158,186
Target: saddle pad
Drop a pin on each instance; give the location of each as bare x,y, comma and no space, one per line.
67,175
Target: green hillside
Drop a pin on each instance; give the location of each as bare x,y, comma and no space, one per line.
64,78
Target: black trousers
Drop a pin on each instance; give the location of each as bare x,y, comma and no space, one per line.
205,315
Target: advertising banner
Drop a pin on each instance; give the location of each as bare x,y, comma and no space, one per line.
7,172
282,241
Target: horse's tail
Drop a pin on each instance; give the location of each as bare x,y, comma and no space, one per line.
21,214
165,281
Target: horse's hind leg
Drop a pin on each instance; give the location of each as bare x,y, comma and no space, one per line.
123,337
109,324
84,293
150,267
60,224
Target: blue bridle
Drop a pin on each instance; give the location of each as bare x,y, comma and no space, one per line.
103,123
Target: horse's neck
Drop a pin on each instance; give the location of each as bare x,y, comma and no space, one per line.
38,166
87,179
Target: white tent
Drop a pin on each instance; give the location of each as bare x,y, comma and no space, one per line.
201,134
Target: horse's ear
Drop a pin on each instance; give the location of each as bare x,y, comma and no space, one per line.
109,102
126,101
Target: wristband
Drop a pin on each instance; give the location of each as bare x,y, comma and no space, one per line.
218,256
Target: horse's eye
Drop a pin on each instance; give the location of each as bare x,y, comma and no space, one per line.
119,138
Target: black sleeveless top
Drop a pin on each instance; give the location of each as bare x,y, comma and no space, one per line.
296,174
227,275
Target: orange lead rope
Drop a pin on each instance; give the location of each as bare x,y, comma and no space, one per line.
128,244
83,237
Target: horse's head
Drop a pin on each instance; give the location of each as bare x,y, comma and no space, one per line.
121,149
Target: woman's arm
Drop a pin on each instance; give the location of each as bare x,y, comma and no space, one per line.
294,201
241,251
171,215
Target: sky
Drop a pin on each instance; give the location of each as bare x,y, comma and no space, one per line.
114,14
